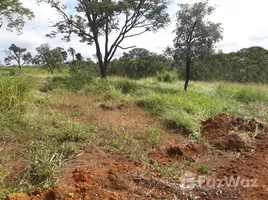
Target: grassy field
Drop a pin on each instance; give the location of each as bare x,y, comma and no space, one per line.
168,101
42,139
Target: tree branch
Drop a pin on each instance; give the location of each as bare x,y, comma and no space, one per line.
124,48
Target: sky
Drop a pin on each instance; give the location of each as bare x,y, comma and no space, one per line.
244,22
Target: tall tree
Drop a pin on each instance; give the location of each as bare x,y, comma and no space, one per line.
96,18
14,13
50,58
71,51
195,34
19,55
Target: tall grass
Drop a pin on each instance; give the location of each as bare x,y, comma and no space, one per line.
183,110
15,94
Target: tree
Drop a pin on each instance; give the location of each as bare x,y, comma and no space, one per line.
19,55
94,19
195,35
71,51
79,57
138,63
13,12
50,58
63,53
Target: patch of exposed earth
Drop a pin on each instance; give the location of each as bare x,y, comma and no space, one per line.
239,151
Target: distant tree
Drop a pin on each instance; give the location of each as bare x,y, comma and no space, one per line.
138,63
19,55
195,35
79,57
63,53
123,18
50,58
71,51
12,12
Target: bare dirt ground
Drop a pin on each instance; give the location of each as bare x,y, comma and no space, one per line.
234,148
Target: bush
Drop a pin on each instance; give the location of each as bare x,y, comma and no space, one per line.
14,92
166,76
74,82
126,86
14,96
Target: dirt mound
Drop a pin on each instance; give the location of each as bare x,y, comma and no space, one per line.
232,133
216,126
176,153
194,149
37,195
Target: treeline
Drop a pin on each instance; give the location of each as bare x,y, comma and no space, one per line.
245,65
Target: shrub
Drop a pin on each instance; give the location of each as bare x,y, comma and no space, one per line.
14,92
74,82
166,76
14,96
126,86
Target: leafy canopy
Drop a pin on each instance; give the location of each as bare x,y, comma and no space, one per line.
195,34
13,13
92,19
48,57
18,55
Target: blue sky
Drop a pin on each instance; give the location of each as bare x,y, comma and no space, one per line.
244,21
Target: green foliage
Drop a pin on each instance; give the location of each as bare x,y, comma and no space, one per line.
244,94
178,109
126,86
50,58
166,76
181,120
74,82
245,65
154,136
96,18
14,92
203,169
139,63
195,34
19,55
44,159
12,12
83,68
72,132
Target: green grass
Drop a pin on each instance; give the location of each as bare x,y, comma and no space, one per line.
49,138
179,109
154,136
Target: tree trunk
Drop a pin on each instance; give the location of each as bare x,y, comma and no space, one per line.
51,69
187,78
103,70
102,64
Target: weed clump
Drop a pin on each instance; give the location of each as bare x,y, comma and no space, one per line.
15,92
166,77
44,159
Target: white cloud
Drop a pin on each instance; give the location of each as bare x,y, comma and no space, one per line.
244,23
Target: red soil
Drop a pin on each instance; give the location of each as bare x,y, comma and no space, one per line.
102,174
